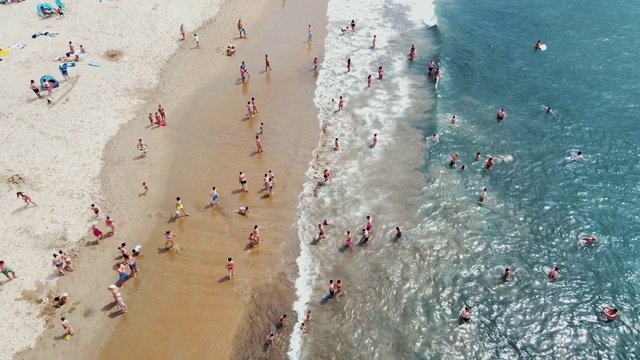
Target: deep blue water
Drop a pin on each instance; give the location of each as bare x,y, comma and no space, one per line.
404,297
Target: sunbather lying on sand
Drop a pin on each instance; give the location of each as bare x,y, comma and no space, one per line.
68,58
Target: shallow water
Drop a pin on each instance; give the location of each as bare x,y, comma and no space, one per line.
403,297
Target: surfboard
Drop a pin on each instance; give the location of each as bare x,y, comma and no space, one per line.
543,47
94,63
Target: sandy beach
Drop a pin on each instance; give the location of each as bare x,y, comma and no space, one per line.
199,88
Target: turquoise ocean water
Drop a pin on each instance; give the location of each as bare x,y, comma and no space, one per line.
403,297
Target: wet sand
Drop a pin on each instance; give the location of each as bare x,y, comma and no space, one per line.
183,305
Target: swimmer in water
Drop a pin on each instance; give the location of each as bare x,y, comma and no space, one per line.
550,111
375,39
578,156
369,81
483,197
432,65
507,274
489,164
466,314
589,239
380,73
435,138
463,167
436,74
412,53
478,156
398,232
501,114
611,313
453,119
554,274
454,160
537,46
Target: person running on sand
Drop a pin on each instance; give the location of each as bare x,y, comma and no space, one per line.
97,233
111,224
67,326
58,262
180,208
349,239
244,210
197,40
36,90
398,232
326,175
243,182
7,271
145,188
26,198
142,147
67,260
169,236
267,65
315,68
320,232
230,266
182,32
259,144
336,145
380,73
133,266
214,196
122,274
283,320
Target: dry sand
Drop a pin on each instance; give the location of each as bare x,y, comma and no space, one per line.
181,306
54,152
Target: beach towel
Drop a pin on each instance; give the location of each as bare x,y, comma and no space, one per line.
60,4
4,51
17,46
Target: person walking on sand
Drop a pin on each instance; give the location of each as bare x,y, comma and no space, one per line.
332,289
113,289
230,266
349,65
375,39
169,236
67,260
197,40
123,249
266,181
67,326
398,232
95,210
151,119
120,304
336,145
58,262
353,25
97,233
267,65
158,119
214,196
36,90
182,32
380,73
142,147
256,232
303,329
375,140
261,129
180,208
326,175
315,67
365,236
243,182
270,339
26,198
122,274
253,104
258,144
133,266
339,286
369,223
308,315
349,239
309,34
283,320
111,224
241,30
369,81
249,110
7,271
340,104
145,188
